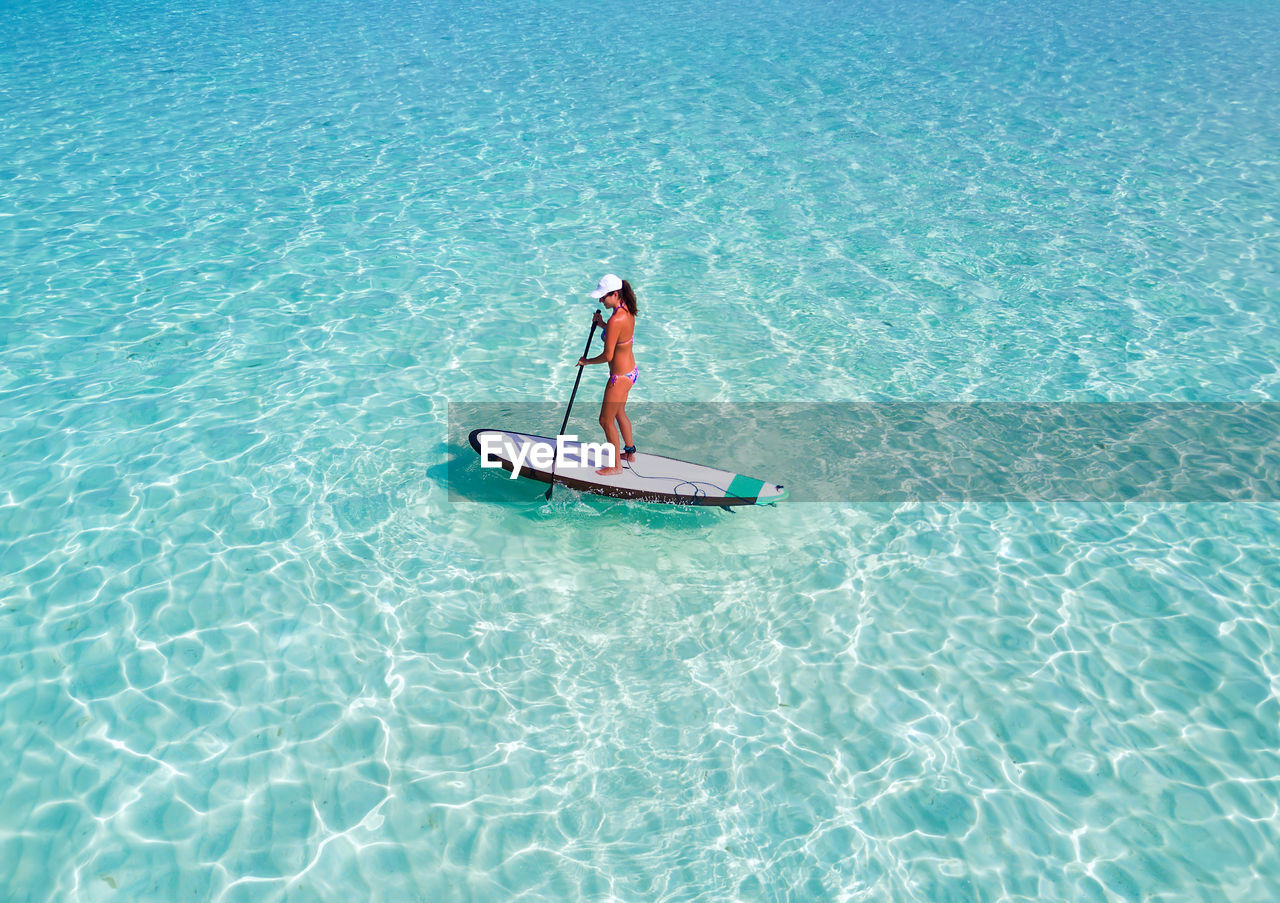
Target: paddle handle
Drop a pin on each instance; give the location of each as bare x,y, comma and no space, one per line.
565,423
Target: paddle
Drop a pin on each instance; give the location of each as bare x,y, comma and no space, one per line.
591,335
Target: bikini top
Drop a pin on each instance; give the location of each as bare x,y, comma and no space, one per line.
633,335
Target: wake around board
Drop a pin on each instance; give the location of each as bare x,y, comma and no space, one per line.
649,478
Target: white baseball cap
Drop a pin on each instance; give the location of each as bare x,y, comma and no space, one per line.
608,283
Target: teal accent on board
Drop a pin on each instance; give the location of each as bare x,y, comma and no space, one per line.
744,487
252,651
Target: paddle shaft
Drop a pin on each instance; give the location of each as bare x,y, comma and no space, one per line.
591,335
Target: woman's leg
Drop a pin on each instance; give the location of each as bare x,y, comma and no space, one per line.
624,422
615,397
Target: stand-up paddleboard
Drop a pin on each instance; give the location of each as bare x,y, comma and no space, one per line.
649,478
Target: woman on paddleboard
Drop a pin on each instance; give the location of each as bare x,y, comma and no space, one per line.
619,332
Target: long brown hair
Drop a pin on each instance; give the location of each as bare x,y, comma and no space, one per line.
629,298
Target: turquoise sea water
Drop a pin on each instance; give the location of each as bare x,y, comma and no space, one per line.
249,648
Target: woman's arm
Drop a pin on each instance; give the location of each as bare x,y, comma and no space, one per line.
610,342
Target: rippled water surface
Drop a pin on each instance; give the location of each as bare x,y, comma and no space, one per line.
251,650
